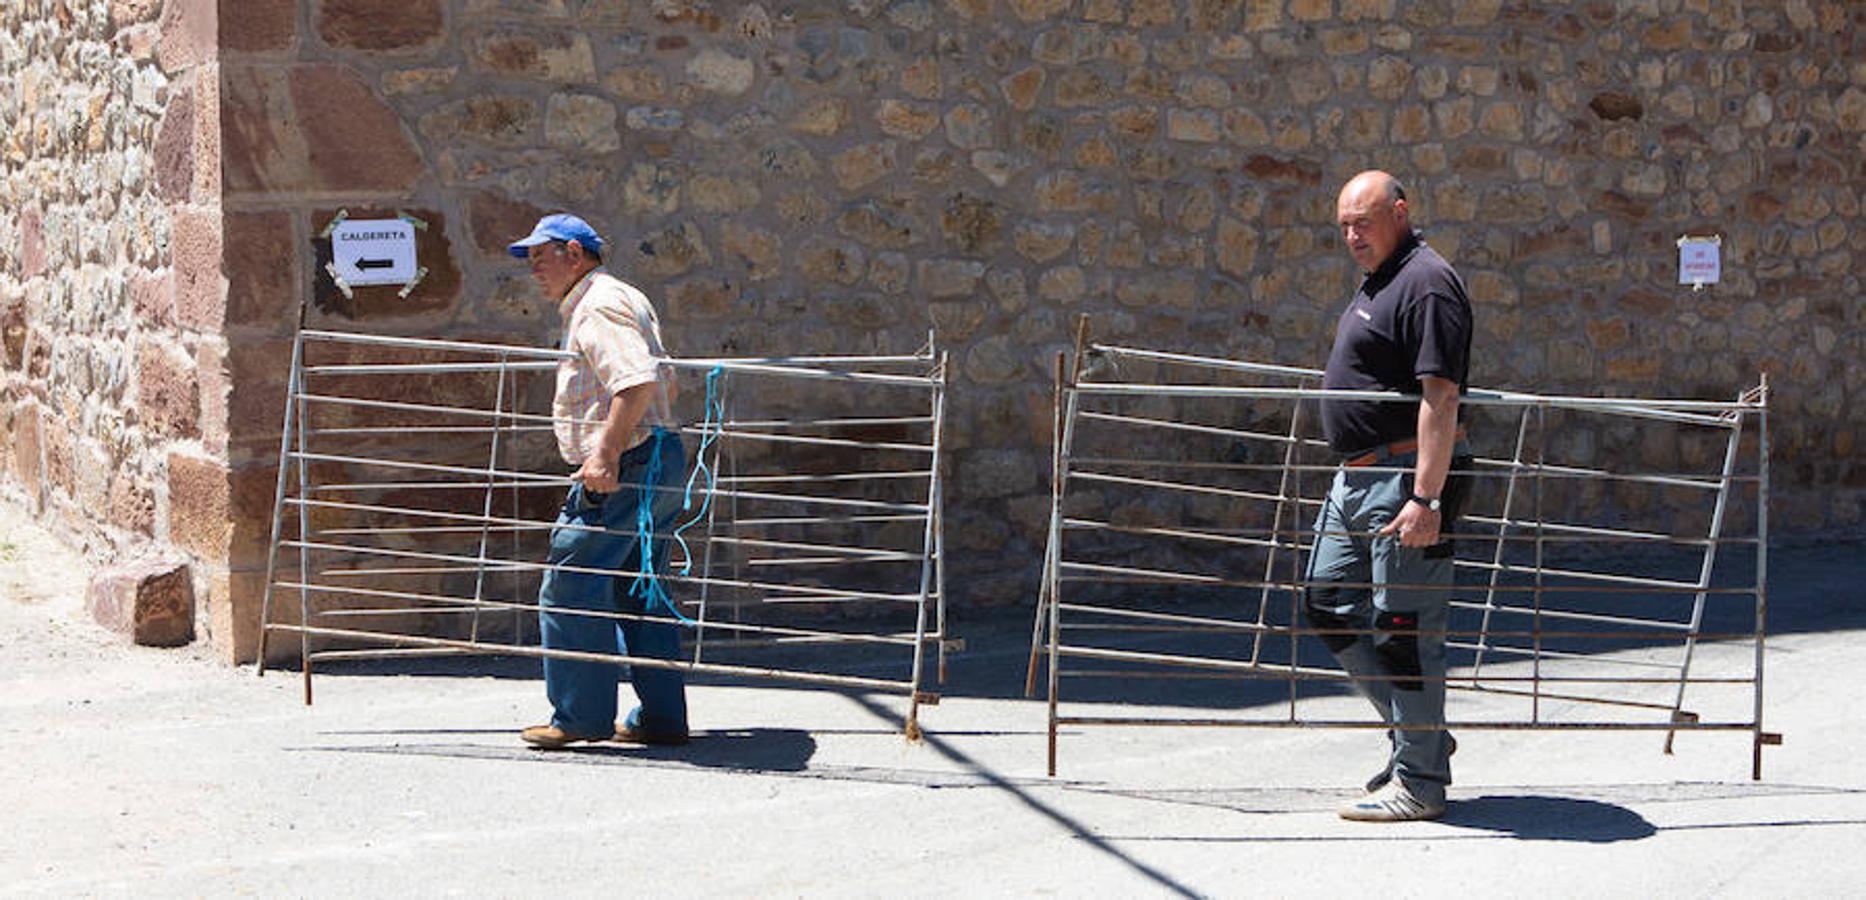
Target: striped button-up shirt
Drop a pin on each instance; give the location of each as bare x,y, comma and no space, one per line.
612,329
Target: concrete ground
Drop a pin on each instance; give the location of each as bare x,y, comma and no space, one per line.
128,770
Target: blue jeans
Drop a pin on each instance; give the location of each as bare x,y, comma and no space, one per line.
583,694
1382,610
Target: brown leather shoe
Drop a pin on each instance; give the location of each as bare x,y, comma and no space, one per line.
629,735
551,737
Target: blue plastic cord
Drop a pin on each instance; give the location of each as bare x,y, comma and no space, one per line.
647,584
710,429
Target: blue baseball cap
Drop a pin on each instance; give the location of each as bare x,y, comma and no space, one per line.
558,227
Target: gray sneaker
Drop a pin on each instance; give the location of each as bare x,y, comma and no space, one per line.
1392,803
1385,775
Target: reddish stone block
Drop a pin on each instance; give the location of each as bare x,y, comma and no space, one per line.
262,274
132,505
189,34
198,506
60,467
153,297
312,128
26,451
31,244
210,366
200,301
151,601
129,12
258,25
174,147
167,392
355,141
257,371
496,220
254,488
373,25
13,336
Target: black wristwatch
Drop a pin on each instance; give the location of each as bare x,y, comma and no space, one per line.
1431,504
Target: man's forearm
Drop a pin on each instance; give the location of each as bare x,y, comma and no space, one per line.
625,413
1438,433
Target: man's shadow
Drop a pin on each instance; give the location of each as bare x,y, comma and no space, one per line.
754,750
1541,818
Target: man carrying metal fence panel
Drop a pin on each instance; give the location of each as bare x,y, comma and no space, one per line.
1379,580
614,425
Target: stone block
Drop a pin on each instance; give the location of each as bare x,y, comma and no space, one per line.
262,274
720,72
258,25
494,220
863,164
132,504
826,116
168,391
28,453
758,250
151,602
971,224
1021,88
554,56
670,251
173,155
320,128
31,243
945,278
1041,241
200,300
721,194
190,33
969,126
56,443
372,25
905,119
493,119
152,297
130,12
829,261
199,506
581,123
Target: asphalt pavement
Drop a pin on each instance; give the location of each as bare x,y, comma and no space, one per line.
127,770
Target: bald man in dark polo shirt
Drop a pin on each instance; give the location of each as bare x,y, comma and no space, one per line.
1407,329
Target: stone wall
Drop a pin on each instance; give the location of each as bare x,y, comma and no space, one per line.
805,176
111,378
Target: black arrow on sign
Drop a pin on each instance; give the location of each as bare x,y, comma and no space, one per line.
363,265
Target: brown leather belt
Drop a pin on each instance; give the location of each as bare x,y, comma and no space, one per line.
1394,449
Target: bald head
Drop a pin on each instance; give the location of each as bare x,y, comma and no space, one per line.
1373,217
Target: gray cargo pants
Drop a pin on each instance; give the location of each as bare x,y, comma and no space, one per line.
1381,609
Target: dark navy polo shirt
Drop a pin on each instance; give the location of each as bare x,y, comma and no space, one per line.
1410,318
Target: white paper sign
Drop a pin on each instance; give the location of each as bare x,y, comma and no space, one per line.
1700,259
373,251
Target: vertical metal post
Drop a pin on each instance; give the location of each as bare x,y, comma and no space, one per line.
1535,626
1758,737
1496,559
1063,439
492,478
1704,572
938,512
926,566
304,535
278,496
1052,560
1276,520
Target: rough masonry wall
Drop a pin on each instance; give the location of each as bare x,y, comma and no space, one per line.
111,387
812,176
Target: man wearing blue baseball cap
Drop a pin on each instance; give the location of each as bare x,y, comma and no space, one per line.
614,426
